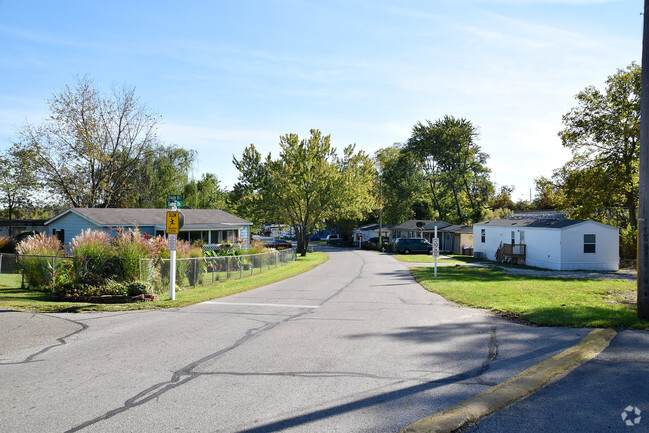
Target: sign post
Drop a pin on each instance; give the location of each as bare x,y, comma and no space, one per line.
175,221
436,250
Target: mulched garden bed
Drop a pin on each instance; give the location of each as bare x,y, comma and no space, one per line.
108,299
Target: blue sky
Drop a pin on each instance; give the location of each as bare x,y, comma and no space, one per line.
224,74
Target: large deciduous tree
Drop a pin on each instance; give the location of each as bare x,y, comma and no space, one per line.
163,171
18,180
603,133
91,145
404,186
308,184
454,165
206,193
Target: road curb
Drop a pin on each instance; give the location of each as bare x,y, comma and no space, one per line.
502,395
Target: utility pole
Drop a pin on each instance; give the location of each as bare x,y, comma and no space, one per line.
380,214
643,207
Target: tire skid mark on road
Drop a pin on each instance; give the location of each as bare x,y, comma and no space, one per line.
187,373
61,341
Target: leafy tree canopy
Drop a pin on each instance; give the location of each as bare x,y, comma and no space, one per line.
91,145
603,133
307,184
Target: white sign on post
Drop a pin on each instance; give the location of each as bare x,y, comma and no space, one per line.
172,241
436,247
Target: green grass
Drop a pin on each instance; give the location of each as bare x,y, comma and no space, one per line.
538,300
12,297
427,258
10,280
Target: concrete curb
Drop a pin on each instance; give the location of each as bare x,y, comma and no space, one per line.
502,395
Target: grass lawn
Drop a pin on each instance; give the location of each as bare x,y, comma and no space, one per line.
538,300
12,297
427,258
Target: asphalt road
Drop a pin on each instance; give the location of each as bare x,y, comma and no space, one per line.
355,345
607,394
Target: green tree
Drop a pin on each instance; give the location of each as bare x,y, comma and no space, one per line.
603,132
454,165
90,146
503,200
163,171
18,181
404,186
548,193
206,193
306,185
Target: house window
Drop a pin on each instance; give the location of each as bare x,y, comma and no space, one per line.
482,235
589,243
522,234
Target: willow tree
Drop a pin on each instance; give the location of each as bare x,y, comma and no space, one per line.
307,184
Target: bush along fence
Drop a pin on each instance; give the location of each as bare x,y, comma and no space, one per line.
196,271
91,279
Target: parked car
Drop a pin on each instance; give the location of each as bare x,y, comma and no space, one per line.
315,237
412,245
333,239
373,243
278,244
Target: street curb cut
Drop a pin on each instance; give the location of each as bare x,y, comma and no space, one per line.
505,393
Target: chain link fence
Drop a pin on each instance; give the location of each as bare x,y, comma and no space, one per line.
31,270
199,271
38,272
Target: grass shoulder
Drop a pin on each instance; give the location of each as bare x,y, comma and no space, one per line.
12,297
537,300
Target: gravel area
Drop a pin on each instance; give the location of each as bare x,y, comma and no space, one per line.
624,274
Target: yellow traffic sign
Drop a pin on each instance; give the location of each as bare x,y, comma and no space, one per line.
173,222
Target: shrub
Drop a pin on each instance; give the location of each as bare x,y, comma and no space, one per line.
138,288
40,244
130,247
7,245
91,243
38,271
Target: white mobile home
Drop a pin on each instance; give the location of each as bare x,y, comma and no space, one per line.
550,244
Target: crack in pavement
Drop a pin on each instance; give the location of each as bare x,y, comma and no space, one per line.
186,373
385,397
61,342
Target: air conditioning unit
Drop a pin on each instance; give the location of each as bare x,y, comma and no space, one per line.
478,254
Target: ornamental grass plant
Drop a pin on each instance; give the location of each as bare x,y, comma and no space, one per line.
39,270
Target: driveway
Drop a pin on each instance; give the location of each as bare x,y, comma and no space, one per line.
353,345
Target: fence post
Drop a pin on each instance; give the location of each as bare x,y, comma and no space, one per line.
53,264
227,267
240,267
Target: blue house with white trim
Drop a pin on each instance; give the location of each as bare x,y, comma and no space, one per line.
210,226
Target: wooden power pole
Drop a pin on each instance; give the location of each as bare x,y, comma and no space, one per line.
643,207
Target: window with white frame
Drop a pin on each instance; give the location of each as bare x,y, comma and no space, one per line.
589,243
482,235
